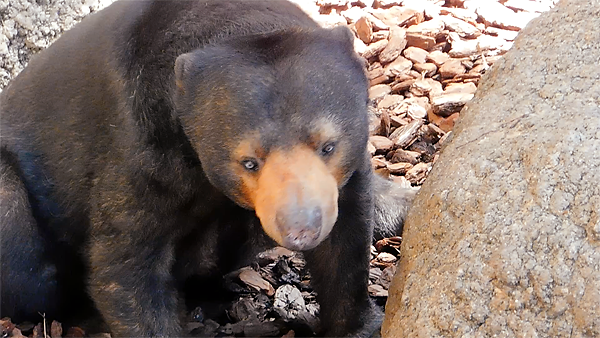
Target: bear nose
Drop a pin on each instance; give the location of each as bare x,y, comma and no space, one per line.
301,227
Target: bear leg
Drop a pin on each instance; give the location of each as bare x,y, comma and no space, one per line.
391,205
131,256
29,279
339,266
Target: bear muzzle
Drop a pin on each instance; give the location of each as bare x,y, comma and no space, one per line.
301,227
296,198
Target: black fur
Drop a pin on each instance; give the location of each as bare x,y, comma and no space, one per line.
391,207
115,173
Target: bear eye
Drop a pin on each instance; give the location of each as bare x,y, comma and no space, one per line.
250,164
328,148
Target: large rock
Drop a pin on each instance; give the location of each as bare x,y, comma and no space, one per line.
504,237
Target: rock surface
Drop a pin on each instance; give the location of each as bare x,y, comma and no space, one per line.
28,26
504,237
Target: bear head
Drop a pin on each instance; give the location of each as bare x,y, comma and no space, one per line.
279,123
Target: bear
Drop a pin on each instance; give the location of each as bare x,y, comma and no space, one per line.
161,140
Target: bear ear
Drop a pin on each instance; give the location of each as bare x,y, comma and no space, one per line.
184,69
190,65
343,34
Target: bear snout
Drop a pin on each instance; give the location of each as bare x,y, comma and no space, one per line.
295,198
301,226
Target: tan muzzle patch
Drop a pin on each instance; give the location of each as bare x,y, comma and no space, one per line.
296,198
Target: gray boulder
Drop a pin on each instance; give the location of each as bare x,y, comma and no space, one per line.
504,238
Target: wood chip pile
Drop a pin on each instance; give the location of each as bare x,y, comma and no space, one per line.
424,61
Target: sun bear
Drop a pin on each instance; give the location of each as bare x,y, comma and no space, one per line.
159,140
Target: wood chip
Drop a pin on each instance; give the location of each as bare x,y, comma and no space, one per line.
397,43
460,13
400,65
528,5
379,80
275,254
404,136
289,334
502,33
416,111
56,330
288,302
397,121
380,35
405,77
427,69
374,274
462,28
444,138
38,331
420,40
420,88
255,280
378,25
389,3
332,3
452,68
495,14
381,143
188,326
402,181
16,333
385,257
398,16
390,101
432,28
437,57
375,70
353,14
75,332
386,276
418,173
379,91
377,290
371,148
401,155
385,122
427,150
415,106
436,88
260,329
6,326
373,49
364,29
447,104
466,88
431,133
415,54
378,163
399,87
399,168
448,123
